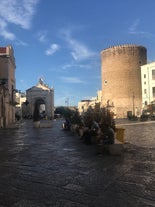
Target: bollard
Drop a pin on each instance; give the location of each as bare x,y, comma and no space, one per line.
120,135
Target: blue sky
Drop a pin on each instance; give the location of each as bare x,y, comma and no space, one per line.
61,40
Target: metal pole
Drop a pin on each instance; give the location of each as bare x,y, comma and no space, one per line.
67,102
133,104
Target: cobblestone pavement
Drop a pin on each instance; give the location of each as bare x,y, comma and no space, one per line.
49,167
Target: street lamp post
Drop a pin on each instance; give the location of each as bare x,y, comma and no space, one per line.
67,101
133,100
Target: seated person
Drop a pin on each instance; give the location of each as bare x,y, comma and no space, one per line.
94,128
87,136
107,135
105,138
66,124
91,131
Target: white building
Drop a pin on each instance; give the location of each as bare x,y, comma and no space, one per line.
83,105
42,94
148,83
20,99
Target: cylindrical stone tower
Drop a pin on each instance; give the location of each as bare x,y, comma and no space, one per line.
121,78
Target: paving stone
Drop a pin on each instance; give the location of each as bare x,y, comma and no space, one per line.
49,167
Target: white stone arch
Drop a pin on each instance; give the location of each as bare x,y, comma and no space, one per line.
45,95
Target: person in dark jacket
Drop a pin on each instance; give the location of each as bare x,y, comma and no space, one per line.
108,135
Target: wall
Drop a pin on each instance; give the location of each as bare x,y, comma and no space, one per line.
7,72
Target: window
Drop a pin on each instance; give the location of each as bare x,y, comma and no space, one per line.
153,91
144,75
145,103
145,91
153,74
145,83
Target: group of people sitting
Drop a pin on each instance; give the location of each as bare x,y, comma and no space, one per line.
104,134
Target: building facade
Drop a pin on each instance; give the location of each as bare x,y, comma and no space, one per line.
148,83
121,78
21,99
7,86
42,94
84,105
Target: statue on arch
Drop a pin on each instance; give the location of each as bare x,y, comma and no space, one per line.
41,81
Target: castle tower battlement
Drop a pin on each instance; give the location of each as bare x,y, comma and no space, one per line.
129,49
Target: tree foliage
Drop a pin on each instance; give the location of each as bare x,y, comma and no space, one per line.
64,111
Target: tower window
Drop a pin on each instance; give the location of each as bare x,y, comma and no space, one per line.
105,82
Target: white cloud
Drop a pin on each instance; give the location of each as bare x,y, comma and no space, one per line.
133,27
75,66
52,49
42,36
79,51
19,42
71,80
16,12
134,30
4,31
